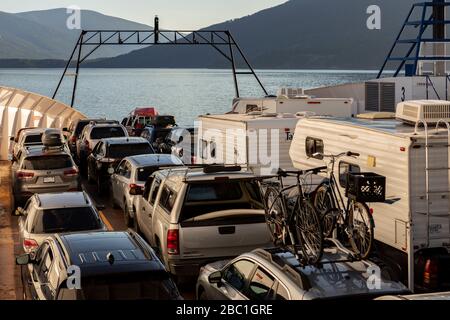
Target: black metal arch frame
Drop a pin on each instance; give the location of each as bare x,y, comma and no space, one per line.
221,40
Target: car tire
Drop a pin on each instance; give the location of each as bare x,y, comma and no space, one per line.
136,227
100,187
89,177
203,296
129,221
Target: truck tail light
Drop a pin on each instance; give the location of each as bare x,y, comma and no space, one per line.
135,189
30,245
173,242
431,273
71,172
21,175
193,159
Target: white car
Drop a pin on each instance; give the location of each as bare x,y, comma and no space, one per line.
196,216
130,176
26,137
46,214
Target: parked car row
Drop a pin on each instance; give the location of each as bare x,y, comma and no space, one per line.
201,223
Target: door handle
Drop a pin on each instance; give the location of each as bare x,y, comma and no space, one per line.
227,230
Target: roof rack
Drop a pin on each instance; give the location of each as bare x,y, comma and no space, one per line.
299,277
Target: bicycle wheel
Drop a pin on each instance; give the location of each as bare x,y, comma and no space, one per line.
324,204
360,229
274,215
309,231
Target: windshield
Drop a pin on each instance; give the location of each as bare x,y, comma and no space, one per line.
130,287
66,220
107,132
127,150
33,139
47,162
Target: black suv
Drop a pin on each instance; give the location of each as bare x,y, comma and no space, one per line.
95,266
108,153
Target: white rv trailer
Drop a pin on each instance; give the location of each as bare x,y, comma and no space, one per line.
414,224
292,100
259,141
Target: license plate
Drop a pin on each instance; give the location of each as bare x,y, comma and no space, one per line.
49,180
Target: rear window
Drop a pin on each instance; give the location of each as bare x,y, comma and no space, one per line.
80,127
218,196
66,220
47,162
214,192
33,139
107,132
130,287
127,150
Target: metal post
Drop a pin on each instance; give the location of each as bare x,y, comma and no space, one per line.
419,38
395,42
248,64
65,69
77,70
233,66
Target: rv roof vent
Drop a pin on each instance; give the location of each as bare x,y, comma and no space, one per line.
305,114
269,115
429,111
290,93
254,113
286,115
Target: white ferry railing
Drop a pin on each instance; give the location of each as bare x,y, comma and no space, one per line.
20,109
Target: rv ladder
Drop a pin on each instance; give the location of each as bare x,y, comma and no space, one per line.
428,168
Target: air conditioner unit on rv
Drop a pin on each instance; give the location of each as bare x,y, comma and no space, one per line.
290,93
429,111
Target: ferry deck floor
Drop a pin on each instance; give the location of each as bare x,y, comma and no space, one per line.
10,282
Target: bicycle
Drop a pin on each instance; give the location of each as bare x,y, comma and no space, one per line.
354,217
293,223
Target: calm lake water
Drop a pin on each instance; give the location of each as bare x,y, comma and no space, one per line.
185,93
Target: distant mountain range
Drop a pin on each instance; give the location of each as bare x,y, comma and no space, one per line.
44,35
299,34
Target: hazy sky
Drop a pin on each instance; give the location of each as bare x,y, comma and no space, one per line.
175,14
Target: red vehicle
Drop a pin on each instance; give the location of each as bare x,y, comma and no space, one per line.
138,119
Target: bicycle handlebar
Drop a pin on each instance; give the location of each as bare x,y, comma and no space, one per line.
298,173
334,156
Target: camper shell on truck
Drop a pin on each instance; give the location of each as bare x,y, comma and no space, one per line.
412,237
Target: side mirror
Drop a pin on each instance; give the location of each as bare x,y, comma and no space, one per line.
180,140
215,277
19,212
23,259
12,139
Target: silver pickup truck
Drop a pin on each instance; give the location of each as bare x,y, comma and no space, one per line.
197,216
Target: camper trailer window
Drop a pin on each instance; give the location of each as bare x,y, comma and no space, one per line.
251,108
313,146
344,169
213,150
204,148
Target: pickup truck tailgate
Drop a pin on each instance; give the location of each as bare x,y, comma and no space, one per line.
223,234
